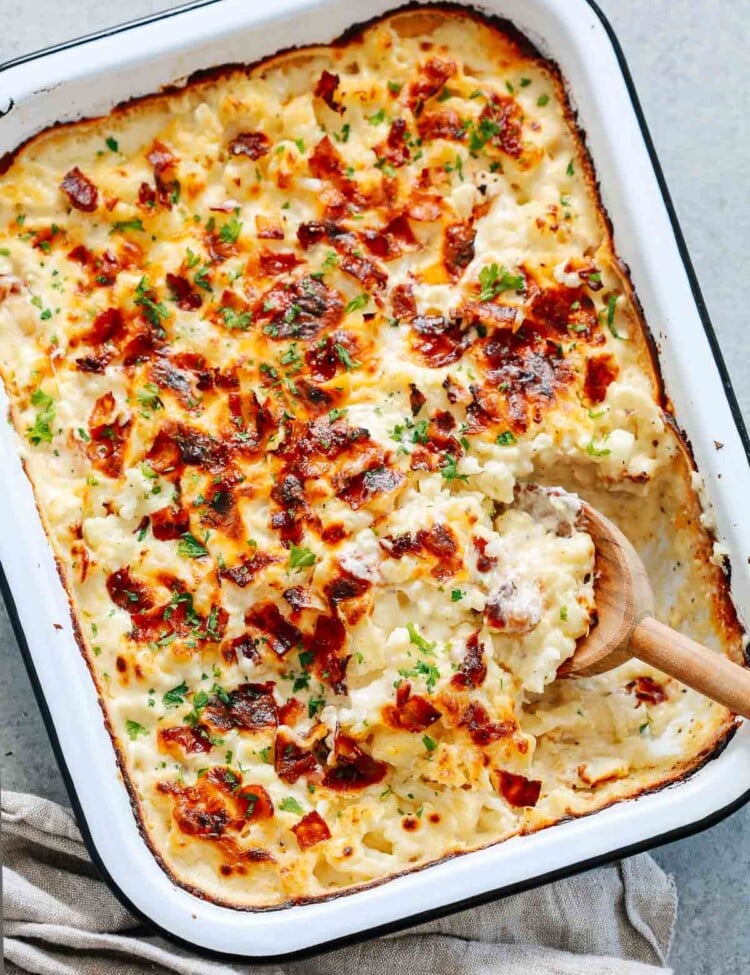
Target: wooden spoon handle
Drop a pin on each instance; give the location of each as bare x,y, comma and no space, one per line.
710,673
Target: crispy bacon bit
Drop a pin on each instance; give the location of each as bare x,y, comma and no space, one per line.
107,437
332,534
586,274
170,523
259,804
248,707
411,712
345,586
417,399
445,124
473,669
353,768
502,115
128,593
391,242
458,248
516,789
370,275
276,631
431,79
291,761
403,303
80,190
182,292
424,207
312,232
146,195
216,806
244,572
93,363
272,263
298,597
326,89
184,738
300,310
360,489
106,326
481,729
81,255
557,309
484,562
178,618
242,646
513,607
600,372
440,341
164,161
394,149
326,162
291,711
268,228
327,643
647,690
438,541
250,144
311,829
161,157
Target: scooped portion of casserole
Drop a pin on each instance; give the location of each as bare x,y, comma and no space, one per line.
289,352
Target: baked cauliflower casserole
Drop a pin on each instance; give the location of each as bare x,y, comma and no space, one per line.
290,352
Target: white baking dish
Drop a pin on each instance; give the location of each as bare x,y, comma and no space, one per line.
89,77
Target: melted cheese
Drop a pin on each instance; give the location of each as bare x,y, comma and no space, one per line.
280,348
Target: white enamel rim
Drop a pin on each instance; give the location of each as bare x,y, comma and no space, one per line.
88,79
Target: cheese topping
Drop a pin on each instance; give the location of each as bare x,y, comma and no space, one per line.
286,350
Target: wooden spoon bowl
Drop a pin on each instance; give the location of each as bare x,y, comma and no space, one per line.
626,628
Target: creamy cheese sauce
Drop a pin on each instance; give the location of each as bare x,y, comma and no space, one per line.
285,351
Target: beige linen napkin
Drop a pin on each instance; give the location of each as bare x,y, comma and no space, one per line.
60,919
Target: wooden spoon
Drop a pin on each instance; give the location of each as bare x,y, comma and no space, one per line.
626,627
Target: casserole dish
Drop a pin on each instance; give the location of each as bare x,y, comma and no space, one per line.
657,313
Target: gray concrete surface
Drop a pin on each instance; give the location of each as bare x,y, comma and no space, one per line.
690,63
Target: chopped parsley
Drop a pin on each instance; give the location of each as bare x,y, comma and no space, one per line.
493,281
378,118
542,100
135,730
571,168
456,595
300,557
290,804
314,705
505,439
449,469
190,547
175,696
155,311
415,637
231,230
429,671
593,451
395,87
611,316
564,613
331,261
112,144
429,743
121,225
356,303
233,319
345,359
41,432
